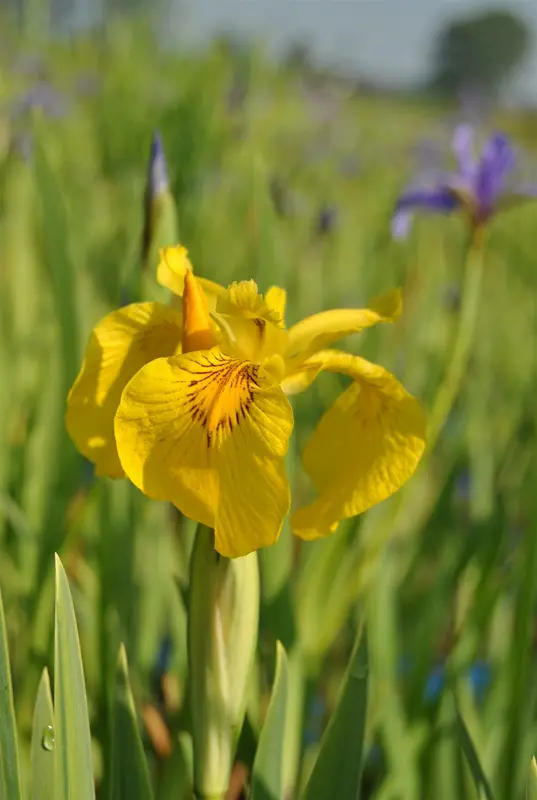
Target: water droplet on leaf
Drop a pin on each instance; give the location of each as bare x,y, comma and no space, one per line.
49,739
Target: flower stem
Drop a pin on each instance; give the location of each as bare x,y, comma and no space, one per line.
458,362
222,638
199,796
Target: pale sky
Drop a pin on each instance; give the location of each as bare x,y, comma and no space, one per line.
388,39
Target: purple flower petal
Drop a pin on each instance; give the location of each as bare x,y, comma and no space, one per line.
464,150
401,224
439,199
496,163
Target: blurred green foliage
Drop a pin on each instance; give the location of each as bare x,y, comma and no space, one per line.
289,178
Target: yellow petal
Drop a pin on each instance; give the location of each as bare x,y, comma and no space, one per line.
366,446
276,299
209,433
301,379
242,298
253,339
173,265
251,329
316,332
119,346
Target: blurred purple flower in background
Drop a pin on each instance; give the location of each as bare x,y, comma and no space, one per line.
41,97
479,187
326,220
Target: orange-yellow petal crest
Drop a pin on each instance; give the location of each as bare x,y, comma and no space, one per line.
197,326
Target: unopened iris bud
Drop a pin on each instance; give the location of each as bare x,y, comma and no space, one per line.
222,637
160,216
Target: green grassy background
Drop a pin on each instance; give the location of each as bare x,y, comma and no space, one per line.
444,573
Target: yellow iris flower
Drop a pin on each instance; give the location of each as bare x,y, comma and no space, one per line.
191,405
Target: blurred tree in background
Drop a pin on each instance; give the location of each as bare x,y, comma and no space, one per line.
480,51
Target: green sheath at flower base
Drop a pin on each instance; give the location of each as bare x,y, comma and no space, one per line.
222,637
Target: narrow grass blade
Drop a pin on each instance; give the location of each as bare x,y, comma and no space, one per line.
269,765
74,769
43,743
338,768
130,776
10,786
480,779
531,785
517,746
175,780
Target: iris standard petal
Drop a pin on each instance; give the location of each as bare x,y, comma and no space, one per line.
251,328
173,265
119,346
495,165
320,330
209,433
366,446
438,198
463,145
276,299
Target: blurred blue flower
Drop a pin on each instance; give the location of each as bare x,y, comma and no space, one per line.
326,220
163,656
480,676
435,683
314,722
479,186
463,487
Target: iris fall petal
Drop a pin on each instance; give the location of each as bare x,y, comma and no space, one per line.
209,433
366,446
119,346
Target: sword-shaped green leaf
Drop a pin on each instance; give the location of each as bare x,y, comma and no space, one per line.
43,743
337,772
9,759
269,766
130,776
73,767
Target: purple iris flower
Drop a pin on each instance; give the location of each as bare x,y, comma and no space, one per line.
480,186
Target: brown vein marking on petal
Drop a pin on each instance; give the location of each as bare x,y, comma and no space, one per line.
222,392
